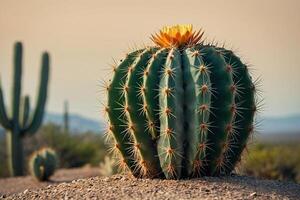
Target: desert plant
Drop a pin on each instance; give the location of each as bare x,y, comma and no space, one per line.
21,123
74,149
42,164
273,161
66,116
108,167
181,108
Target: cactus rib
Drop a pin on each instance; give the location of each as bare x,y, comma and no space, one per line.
143,148
118,119
170,143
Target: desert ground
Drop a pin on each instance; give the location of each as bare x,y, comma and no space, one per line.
13,185
75,184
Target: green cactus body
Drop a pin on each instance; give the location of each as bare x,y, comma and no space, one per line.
151,80
36,167
243,108
181,109
197,93
170,145
43,163
116,109
143,148
21,122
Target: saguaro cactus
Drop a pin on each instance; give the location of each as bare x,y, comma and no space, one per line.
181,108
66,116
21,122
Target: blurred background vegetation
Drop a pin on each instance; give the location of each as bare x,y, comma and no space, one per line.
74,149
273,160
271,157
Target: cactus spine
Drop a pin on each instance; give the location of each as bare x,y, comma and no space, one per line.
180,109
21,123
42,164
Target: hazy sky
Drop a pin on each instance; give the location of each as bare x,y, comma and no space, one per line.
83,35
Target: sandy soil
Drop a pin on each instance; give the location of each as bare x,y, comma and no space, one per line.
19,184
127,187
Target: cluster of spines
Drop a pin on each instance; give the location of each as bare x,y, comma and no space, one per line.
217,147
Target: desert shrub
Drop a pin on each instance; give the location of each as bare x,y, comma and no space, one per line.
73,149
108,167
3,162
273,161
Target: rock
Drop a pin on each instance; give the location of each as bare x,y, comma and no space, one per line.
106,179
253,194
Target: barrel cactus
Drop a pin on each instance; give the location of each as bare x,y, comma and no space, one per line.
42,164
181,108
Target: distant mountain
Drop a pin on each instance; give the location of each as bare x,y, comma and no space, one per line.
268,125
77,123
271,125
279,138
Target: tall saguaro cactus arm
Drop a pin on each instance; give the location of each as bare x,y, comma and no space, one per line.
21,122
4,121
16,90
42,97
25,112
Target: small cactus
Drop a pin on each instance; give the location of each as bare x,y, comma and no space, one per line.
42,164
180,109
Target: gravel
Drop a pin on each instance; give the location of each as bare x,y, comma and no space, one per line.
127,187
14,185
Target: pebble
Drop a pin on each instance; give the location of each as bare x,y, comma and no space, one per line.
253,194
207,190
106,179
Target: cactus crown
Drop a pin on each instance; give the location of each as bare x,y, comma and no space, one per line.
177,36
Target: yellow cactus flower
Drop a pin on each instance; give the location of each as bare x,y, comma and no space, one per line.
177,36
